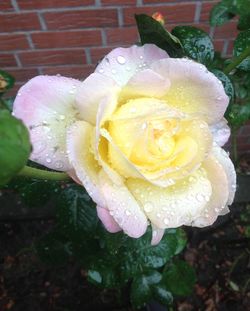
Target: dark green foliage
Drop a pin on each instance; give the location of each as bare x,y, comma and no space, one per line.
196,43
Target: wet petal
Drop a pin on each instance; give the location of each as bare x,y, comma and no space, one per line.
175,205
157,235
108,221
220,132
46,106
91,93
82,159
123,207
194,90
122,63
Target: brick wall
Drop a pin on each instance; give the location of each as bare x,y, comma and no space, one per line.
69,36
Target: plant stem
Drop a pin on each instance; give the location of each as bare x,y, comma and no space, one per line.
237,60
234,146
36,173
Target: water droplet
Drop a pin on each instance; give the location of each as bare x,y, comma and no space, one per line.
62,117
113,71
141,57
121,60
148,207
48,160
59,164
166,221
158,215
101,70
144,125
127,212
200,197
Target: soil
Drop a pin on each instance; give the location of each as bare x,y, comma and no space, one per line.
220,255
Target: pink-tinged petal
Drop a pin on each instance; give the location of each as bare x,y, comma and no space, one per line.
157,235
217,203
108,221
46,104
122,63
91,93
194,90
220,132
223,158
73,175
79,146
123,207
146,83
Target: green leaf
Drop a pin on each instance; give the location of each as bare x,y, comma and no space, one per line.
227,83
244,22
181,238
196,43
241,43
140,253
7,103
162,295
53,249
179,278
14,146
76,212
221,13
6,81
141,289
153,32
239,114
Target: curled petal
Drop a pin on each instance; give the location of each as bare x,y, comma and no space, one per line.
122,63
46,104
91,93
82,159
194,90
220,132
218,201
223,158
123,207
108,221
157,235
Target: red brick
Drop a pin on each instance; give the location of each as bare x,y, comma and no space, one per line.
7,60
205,10
77,72
53,57
218,45
227,31
23,74
45,4
67,39
5,5
172,13
122,35
13,42
245,130
164,1
80,18
98,53
118,2
19,21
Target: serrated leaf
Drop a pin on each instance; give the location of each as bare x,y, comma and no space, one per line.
227,83
179,278
151,31
14,146
244,22
241,43
76,212
221,13
6,81
142,287
140,253
196,43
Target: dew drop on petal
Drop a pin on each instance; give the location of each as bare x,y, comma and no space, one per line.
48,160
166,221
127,212
148,207
121,60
